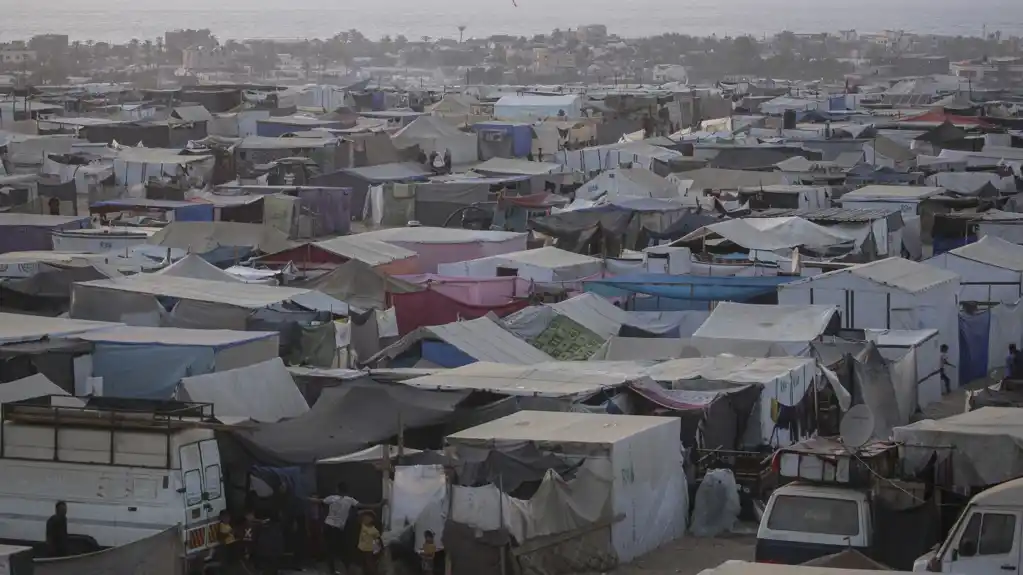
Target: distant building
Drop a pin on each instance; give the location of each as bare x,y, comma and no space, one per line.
12,57
1001,71
547,61
48,46
664,73
592,33
197,58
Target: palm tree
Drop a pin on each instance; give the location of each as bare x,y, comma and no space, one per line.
461,32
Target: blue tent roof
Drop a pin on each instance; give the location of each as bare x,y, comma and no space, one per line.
686,287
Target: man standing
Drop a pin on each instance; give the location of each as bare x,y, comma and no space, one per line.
1010,362
945,363
57,540
339,507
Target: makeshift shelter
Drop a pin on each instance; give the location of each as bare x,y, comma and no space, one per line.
437,246
784,196
359,285
154,300
628,182
363,179
530,107
768,235
893,293
330,253
627,517
921,347
504,139
721,179
221,241
134,166
793,327
520,380
544,265
515,167
876,232
193,266
432,134
30,232
906,198
786,411
984,447
18,328
991,270
261,391
143,362
457,344
664,292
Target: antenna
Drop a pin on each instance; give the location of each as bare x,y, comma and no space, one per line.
857,426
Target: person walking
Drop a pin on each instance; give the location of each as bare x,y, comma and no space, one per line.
1010,362
942,372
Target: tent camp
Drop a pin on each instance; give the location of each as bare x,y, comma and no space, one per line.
145,362
433,134
643,507
892,293
548,264
628,183
203,304
793,327
991,268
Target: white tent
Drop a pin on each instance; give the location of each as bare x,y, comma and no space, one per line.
547,264
193,266
432,134
771,234
631,471
529,107
628,183
262,392
893,293
794,327
991,268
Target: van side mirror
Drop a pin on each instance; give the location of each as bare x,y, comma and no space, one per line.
967,548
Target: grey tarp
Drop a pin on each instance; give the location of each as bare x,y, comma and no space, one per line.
873,386
158,554
346,419
985,446
359,285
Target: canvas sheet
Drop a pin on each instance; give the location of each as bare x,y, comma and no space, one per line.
473,291
148,371
419,499
37,385
777,323
158,554
262,392
986,445
346,419
874,382
430,308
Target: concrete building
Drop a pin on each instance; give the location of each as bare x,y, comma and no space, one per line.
547,61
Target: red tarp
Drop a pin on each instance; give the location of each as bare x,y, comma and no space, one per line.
428,308
938,117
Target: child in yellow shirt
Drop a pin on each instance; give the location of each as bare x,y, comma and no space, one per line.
369,543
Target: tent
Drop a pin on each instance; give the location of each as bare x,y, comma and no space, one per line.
359,285
197,303
520,380
193,266
144,362
794,327
261,391
665,292
432,134
628,182
221,241
642,508
461,343
892,293
17,328
529,107
986,445
991,268
769,234
31,232
437,246
545,265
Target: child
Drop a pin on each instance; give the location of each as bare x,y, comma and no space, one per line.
369,543
228,551
427,554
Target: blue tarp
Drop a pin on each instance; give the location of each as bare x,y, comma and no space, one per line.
445,355
694,288
146,371
974,333
521,135
942,244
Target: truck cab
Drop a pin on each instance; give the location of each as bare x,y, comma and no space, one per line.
986,540
803,521
127,469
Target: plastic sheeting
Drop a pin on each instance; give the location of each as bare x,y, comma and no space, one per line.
716,506
474,291
792,326
419,499
698,288
262,392
430,308
148,371
973,346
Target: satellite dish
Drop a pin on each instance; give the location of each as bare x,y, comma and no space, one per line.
857,426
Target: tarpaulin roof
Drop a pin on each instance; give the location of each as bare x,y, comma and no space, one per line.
236,294
358,284
687,287
628,182
891,193
37,220
994,251
433,235
728,368
771,234
391,172
481,339
896,272
938,116
367,250
781,323
262,392
17,328
216,338
721,179
202,237
516,166
193,266
37,385
561,427
519,380
986,445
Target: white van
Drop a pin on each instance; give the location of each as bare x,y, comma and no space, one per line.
125,472
803,522
987,539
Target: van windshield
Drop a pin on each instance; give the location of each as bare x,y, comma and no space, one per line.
815,515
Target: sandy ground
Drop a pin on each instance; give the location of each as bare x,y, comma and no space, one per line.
690,555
